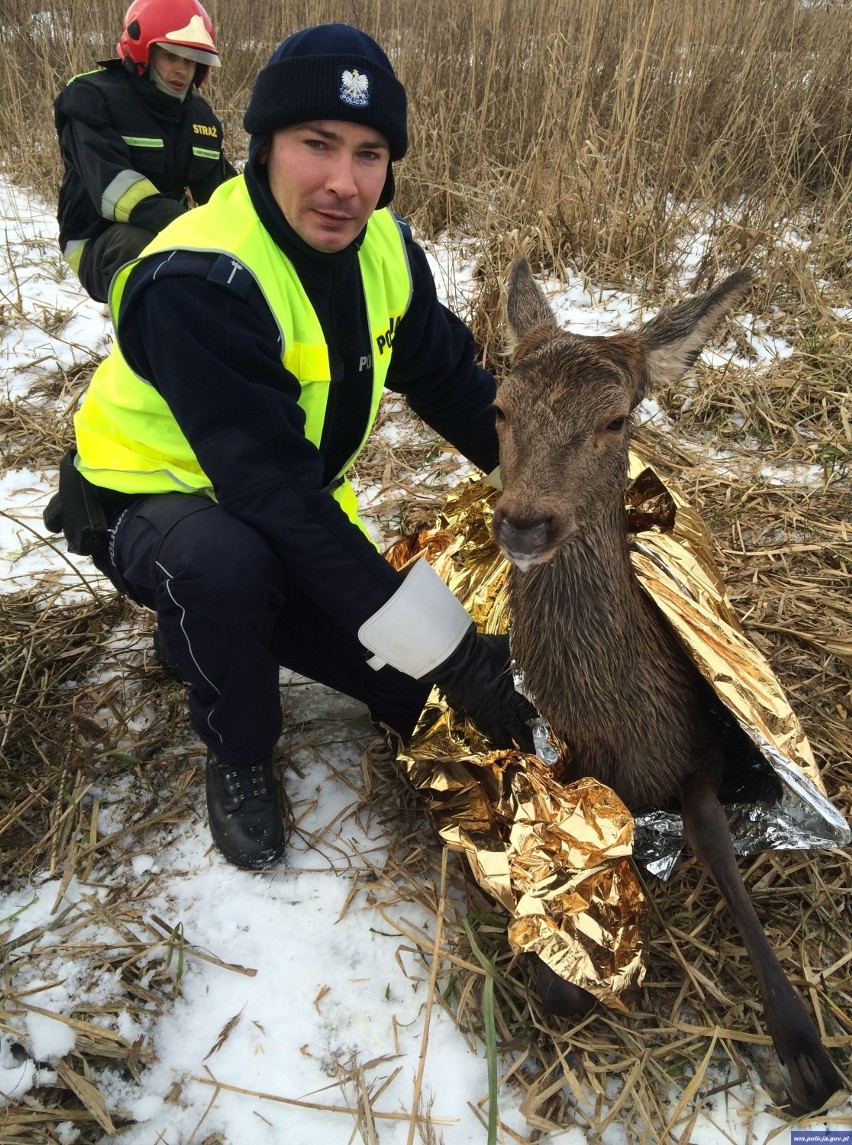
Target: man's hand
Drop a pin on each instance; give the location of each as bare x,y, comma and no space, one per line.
478,679
424,631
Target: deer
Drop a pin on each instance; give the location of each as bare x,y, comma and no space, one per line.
608,675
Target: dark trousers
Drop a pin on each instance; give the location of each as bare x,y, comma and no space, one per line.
102,256
228,619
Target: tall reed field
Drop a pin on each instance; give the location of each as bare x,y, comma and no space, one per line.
588,133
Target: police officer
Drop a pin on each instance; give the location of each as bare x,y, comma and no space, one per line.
219,450
135,137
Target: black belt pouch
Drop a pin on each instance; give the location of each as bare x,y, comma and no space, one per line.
77,511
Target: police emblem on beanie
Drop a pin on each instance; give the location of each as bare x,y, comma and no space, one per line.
331,71
355,88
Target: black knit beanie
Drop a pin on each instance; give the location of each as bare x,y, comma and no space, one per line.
331,71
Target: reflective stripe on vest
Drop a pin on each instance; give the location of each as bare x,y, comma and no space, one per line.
127,438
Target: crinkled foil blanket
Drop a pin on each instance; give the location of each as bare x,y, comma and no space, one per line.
558,856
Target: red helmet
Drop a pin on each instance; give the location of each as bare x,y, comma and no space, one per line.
180,26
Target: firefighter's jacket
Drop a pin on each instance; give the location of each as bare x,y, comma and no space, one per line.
197,327
131,153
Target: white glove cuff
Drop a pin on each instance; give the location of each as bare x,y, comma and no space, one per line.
420,626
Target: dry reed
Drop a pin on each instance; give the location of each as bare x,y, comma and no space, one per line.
589,131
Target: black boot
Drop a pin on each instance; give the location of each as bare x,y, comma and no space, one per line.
245,814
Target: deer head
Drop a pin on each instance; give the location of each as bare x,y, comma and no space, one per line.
563,411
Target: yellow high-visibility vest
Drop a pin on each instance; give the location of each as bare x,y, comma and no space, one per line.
127,436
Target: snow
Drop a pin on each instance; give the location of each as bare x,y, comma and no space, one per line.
287,983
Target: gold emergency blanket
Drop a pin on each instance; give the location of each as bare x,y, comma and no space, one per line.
557,856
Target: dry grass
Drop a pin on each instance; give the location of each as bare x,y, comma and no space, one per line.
785,550
588,132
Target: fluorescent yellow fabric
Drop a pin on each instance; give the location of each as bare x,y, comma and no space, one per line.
127,438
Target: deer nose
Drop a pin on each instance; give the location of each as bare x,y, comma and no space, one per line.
523,538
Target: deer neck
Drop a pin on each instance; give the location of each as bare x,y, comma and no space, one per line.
569,615
603,669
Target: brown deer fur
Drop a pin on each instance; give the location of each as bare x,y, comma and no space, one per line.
608,675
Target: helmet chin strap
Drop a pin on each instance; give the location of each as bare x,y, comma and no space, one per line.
158,81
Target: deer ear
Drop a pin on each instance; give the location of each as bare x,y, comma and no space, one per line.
674,339
526,307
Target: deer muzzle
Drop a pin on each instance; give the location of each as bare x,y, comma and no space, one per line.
525,543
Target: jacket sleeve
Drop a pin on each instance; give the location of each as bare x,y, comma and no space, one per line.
96,150
434,367
202,189
216,359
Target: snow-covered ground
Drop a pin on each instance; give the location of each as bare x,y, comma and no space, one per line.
303,994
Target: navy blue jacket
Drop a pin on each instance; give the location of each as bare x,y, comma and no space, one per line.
110,121
212,350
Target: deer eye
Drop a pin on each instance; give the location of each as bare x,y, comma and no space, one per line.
499,415
617,424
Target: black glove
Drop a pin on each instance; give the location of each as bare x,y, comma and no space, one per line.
478,679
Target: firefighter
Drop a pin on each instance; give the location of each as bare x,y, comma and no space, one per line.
138,143
254,340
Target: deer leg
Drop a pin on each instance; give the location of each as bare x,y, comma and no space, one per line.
557,995
813,1077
